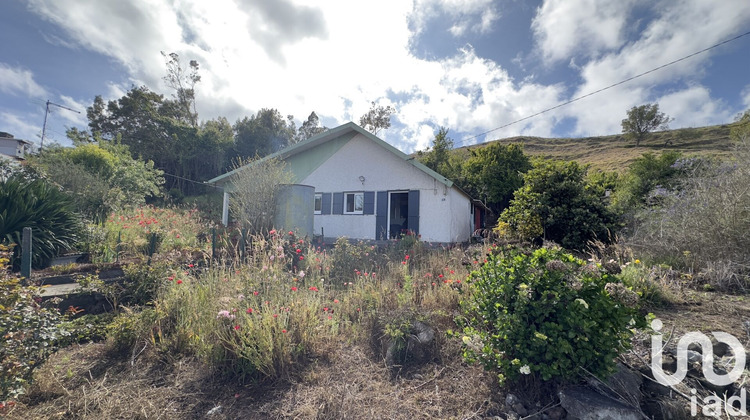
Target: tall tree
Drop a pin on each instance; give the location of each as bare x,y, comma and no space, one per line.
262,134
437,157
494,172
644,119
310,128
183,81
377,118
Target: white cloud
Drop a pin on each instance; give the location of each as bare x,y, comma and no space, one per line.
77,117
694,107
19,126
336,57
20,82
746,96
670,36
475,16
564,28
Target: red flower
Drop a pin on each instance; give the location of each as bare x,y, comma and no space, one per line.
294,288
236,327
272,232
291,233
179,281
255,293
283,331
313,288
301,258
170,278
249,310
406,257
325,309
275,315
335,301
298,250
191,265
440,275
453,272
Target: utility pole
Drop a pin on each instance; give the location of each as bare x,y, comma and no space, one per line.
44,127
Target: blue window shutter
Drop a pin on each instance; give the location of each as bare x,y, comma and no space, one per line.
381,216
369,202
326,209
414,211
338,203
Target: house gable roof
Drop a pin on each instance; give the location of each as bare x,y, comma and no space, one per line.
331,141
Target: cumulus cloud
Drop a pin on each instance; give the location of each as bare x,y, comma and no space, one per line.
277,23
19,126
564,28
670,36
338,56
746,96
694,107
20,82
475,16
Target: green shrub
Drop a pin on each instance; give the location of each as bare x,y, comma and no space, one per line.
37,204
28,332
557,203
546,313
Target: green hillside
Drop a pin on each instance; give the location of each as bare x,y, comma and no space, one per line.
615,152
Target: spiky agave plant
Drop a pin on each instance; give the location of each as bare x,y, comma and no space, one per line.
37,204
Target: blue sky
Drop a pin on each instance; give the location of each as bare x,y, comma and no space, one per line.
470,65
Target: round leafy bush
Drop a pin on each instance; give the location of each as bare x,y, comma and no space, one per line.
546,313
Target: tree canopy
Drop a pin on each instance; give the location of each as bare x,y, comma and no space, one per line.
642,120
555,204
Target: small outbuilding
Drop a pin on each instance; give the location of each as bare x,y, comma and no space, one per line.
367,189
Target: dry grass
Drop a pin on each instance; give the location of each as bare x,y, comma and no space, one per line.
615,153
86,382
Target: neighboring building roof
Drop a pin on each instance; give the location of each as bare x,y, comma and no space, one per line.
14,140
335,138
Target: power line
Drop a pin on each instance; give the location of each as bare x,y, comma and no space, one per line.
194,182
606,88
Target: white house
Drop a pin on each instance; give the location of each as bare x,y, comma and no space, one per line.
367,189
13,148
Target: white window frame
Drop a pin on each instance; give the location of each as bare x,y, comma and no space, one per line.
318,200
353,196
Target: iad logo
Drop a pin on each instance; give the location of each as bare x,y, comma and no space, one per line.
707,364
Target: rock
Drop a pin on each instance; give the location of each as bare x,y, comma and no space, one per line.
214,411
519,409
721,348
669,363
655,389
695,347
556,413
694,356
586,404
667,409
624,383
511,399
423,332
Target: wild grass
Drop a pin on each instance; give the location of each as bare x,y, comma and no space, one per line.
616,153
263,319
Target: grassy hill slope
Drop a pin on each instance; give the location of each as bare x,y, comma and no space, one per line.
615,152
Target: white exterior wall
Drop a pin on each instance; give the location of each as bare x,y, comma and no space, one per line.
385,172
461,217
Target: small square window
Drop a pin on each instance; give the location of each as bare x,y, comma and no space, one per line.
318,203
354,203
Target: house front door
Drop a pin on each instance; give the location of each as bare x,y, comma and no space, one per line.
398,214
